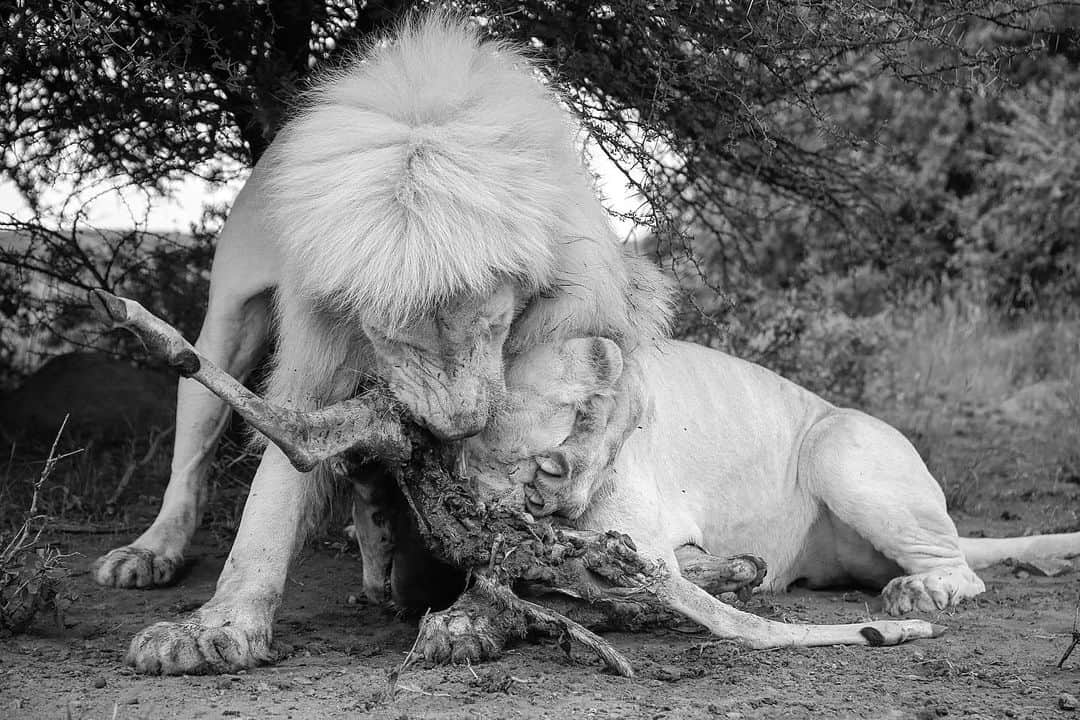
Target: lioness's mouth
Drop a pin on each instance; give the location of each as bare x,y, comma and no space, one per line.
535,502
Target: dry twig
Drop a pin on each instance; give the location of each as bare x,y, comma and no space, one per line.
1075,634
31,576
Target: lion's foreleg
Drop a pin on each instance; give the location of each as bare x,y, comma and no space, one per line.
246,268
234,629
234,334
871,478
376,505
574,471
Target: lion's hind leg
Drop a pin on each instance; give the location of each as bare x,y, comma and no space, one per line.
873,481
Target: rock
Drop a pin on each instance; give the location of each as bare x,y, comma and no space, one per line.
106,399
99,682
1067,702
1042,567
1046,398
669,673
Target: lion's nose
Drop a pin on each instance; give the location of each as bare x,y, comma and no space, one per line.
462,414
456,427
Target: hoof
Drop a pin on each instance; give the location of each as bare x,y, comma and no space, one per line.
931,591
135,567
895,632
457,636
190,648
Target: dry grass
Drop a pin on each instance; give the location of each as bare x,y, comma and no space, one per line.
955,369
84,488
960,352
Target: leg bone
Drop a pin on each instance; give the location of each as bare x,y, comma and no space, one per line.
368,423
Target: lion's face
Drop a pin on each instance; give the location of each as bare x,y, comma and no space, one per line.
549,391
447,367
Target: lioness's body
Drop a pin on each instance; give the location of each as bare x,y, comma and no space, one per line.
721,459
733,458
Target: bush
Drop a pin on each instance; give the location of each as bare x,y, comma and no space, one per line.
800,334
49,271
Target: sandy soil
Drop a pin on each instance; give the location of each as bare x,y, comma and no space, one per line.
998,659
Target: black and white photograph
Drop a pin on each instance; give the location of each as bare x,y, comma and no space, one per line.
658,359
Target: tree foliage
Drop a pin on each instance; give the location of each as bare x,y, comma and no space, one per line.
143,89
768,140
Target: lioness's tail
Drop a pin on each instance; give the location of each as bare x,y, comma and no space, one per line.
984,552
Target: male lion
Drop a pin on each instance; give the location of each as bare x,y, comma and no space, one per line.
729,457
424,213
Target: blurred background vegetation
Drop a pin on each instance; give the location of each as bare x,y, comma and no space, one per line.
878,200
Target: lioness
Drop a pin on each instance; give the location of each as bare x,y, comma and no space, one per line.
730,457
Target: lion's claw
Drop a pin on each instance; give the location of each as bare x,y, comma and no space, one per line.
191,648
456,636
135,567
930,591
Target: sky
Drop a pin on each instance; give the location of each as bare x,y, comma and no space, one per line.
125,208
121,209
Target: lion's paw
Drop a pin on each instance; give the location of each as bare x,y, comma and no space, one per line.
191,648
930,591
455,635
136,567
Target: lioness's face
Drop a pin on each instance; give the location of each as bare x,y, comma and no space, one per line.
447,367
548,388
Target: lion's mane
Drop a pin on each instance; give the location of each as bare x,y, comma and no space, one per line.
430,165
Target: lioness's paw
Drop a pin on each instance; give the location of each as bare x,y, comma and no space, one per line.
456,636
191,648
135,567
929,591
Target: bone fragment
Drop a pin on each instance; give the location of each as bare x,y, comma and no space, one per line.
369,424
739,574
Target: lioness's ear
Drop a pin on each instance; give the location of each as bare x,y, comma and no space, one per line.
595,364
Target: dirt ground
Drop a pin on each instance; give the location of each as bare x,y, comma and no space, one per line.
997,660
